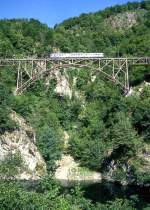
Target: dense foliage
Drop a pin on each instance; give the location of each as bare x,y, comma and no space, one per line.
108,132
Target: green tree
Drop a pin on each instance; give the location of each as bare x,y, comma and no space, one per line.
50,146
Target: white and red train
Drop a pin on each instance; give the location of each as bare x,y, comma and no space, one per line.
75,55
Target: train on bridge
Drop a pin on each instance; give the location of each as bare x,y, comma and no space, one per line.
58,56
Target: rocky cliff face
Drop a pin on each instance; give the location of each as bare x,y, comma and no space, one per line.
125,20
23,140
63,87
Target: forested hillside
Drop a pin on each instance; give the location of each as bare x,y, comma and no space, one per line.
117,31
109,133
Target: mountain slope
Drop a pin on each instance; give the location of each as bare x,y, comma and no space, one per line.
108,132
117,31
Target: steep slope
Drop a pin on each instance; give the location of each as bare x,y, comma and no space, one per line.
109,133
22,141
116,31
22,37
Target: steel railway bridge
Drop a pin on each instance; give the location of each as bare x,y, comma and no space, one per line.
30,70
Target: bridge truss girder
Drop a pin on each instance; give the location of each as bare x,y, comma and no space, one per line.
114,69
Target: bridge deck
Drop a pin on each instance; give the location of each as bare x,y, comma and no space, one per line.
91,58
130,60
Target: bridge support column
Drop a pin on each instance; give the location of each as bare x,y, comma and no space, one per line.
19,78
28,71
116,70
127,86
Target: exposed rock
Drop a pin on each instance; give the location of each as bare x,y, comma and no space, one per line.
62,83
138,90
69,172
125,20
93,78
63,87
22,141
130,92
66,139
21,122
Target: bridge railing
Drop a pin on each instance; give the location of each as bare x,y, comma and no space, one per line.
131,60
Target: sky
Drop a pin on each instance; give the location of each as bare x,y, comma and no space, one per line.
52,12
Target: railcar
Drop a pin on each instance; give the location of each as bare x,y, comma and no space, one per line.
75,55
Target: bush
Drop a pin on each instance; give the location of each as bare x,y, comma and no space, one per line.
11,166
